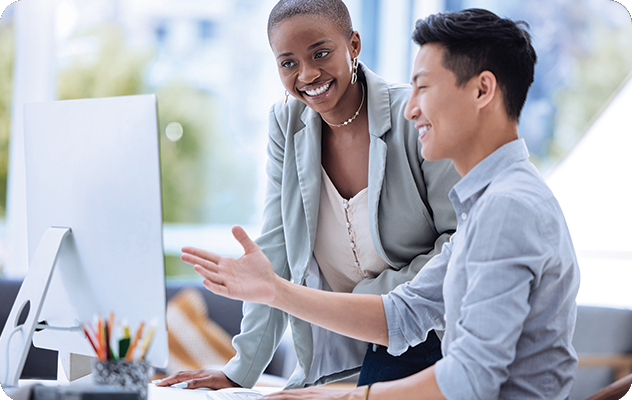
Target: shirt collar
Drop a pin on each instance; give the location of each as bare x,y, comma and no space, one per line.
485,171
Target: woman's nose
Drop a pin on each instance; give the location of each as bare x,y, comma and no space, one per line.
308,73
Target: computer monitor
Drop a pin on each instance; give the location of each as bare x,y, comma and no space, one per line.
92,165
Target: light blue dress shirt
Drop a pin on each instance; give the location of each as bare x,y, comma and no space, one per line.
503,289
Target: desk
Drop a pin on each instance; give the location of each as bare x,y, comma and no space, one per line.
168,393
23,391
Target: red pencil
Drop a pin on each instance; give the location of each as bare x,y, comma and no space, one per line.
85,331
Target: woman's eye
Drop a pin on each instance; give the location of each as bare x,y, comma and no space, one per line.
321,54
287,64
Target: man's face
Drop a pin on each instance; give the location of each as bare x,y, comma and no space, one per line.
444,113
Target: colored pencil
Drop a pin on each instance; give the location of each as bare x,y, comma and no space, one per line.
130,351
85,332
100,338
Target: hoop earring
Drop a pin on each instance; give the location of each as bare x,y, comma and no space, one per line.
287,94
354,76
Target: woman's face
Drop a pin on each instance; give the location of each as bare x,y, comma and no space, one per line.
315,61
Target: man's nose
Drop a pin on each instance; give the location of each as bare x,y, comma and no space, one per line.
412,111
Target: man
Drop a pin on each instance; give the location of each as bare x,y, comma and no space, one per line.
504,287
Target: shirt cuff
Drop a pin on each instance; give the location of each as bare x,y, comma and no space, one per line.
397,344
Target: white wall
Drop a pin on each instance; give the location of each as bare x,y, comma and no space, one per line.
593,185
33,81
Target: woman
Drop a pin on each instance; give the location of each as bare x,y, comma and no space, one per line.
351,205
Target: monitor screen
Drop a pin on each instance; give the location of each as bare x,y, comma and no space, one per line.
93,165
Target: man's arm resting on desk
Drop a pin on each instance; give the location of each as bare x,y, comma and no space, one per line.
251,278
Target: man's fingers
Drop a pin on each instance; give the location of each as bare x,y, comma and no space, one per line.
245,241
208,274
193,260
203,254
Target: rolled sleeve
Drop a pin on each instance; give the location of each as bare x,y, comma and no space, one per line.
416,307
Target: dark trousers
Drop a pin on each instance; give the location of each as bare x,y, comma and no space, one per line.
379,366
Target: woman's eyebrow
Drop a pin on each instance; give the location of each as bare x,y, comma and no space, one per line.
320,42
310,47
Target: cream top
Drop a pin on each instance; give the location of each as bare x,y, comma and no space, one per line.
343,246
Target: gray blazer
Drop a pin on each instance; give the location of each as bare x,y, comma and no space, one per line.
410,217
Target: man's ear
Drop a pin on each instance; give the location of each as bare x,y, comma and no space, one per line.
487,84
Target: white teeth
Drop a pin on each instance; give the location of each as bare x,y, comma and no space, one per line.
320,90
424,128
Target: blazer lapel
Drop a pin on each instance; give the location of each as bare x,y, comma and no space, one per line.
379,110
307,147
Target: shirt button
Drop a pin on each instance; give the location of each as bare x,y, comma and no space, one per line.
348,225
352,245
463,216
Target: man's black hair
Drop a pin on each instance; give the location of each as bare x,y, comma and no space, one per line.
334,10
477,40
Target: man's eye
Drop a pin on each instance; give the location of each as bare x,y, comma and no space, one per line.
287,64
321,54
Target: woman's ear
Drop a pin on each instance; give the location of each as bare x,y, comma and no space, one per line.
487,87
355,44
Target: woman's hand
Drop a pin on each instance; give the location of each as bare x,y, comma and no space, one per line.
316,393
201,378
249,277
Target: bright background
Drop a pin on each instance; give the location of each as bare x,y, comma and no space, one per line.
210,65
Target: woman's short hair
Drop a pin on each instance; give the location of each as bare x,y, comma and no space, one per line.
334,10
477,40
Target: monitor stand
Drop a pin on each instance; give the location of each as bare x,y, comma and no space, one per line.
17,335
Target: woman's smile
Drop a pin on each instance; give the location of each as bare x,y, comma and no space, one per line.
317,91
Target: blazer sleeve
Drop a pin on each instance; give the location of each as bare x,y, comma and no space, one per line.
438,177
262,327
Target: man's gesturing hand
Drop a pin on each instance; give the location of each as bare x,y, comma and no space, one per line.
249,277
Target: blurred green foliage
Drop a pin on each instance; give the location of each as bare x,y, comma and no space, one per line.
594,79
7,51
174,267
199,169
111,69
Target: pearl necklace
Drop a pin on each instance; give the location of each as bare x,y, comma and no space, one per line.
354,115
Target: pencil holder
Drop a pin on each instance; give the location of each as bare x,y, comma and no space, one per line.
132,375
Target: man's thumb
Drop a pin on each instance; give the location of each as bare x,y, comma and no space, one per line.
245,241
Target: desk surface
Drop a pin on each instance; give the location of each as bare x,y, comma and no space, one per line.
168,393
